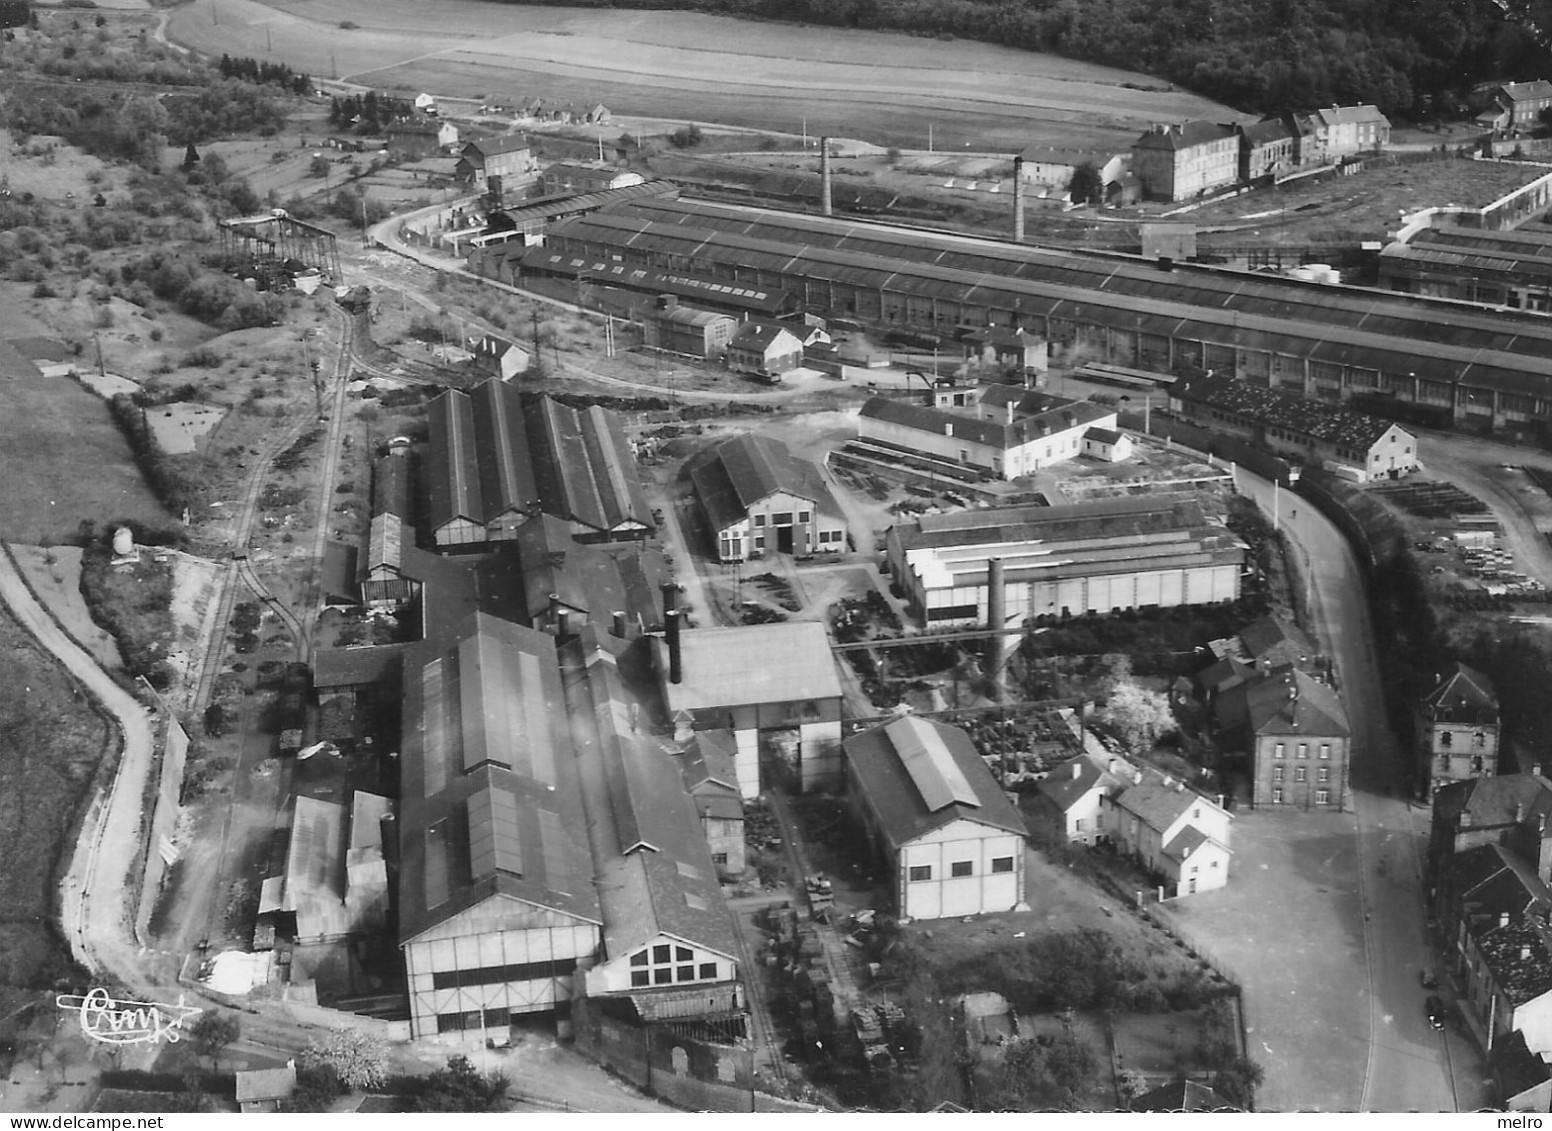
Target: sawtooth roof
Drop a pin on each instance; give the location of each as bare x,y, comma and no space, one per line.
919,775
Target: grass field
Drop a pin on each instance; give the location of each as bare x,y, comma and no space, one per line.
50,746
62,460
881,86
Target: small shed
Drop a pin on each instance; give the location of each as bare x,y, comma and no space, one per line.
264,1089
1107,444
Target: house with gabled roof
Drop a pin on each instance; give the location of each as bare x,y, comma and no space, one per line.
951,840
1321,434
707,763
1501,946
1293,731
508,156
760,499
1171,830
1523,1078
1265,149
1517,106
1457,727
1185,159
765,349
263,1090
1071,796
1008,345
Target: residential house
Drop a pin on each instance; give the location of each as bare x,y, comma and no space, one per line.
1171,830
1274,640
760,499
263,1090
1178,162
1510,809
508,156
1101,556
1294,733
766,349
567,177
1107,445
774,685
1350,130
1458,727
1523,1079
598,115
951,840
708,765
499,357
1516,107
1070,796
1005,448
420,138
1321,434
1265,150
1181,1096
1051,168
687,329
1010,346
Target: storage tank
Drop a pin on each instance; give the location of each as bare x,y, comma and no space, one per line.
123,542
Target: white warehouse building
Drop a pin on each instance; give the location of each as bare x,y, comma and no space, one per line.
1104,556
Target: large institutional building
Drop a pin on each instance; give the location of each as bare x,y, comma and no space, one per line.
1112,554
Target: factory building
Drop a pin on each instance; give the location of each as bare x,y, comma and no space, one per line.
1321,341
1101,557
760,499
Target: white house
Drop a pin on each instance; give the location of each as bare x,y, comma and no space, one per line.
766,349
952,840
1171,830
1073,793
1004,444
1107,444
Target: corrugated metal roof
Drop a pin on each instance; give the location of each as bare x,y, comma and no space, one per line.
733,475
895,795
507,482
452,468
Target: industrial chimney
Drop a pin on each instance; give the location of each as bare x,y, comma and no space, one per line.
675,662
619,624
996,620
826,202
1018,200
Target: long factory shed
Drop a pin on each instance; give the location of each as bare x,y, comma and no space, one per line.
1327,342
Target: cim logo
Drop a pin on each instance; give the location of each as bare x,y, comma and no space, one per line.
115,1022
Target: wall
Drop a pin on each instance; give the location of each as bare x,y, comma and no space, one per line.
158,847
1297,794
945,895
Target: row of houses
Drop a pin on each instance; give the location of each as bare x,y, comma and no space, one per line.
1324,342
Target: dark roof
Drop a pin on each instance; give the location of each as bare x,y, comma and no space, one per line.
1283,701
1491,802
1526,91
993,433
491,808
1266,132
507,480
736,473
576,169
1515,1068
1120,517
596,581
1277,638
357,667
491,146
1069,782
1518,957
1053,155
760,336
391,486
1007,337
575,204
743,296
1328,422
1181,1096
1463,695
584,467
452,466
654,869
1158,800
918,775
337,576
1102,435
1185,842
1185,135
707,767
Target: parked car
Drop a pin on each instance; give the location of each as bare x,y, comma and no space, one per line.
1435,1008
1430,979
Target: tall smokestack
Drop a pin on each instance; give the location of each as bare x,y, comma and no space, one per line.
996,620
675,662
619,624
670,596
826,203
1018,200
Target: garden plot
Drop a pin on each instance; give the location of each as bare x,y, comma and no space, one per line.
179,427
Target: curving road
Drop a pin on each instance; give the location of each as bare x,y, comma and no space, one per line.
1410,1066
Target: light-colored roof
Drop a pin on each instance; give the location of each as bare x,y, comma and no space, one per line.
1348,115
761,336
315,868
1527,91
367,811
759,663
255,1085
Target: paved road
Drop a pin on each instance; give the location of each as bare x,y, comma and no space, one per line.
1410,1067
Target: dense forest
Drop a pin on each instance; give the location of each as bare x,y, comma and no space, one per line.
1416,59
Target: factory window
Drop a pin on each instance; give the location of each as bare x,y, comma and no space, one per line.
921,872
1277,773
662,975
641,978
1278,750
685,974
719,859
660,953
962,868
1325,750
1322,797
954,612
1303,750
1277,797
515,972
639,958
683,954
1298,775
805,516
781,518
759,520
1002,864
1323,774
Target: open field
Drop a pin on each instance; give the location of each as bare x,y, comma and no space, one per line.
50,745
63,461
686,65
54,572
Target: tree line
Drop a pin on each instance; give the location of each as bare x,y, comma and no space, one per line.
272,74
369,112
1414,58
